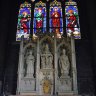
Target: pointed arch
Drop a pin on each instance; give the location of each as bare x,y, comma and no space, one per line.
47,40
39,22
56,20
72,19
32,45
24,19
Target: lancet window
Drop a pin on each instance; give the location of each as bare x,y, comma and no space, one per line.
24,20
39,22
38,18
72,19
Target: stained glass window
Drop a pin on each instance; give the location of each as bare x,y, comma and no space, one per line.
56,21
39,22
72,19
24,19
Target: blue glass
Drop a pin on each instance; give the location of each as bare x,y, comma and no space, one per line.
68,8
25,9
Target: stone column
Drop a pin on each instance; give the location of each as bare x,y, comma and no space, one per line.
20,66
74,70
38,67
55,64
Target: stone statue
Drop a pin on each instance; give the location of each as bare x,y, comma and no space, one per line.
64,64
46,49
46,58
30,59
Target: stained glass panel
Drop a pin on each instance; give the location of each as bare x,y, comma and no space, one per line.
39,22
56,21
24,19
72,20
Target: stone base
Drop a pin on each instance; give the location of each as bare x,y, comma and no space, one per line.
28,94
64,85
47,95
62,94
67,94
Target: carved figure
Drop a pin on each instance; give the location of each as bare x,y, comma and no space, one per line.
64,64
47,49
30,59
46,58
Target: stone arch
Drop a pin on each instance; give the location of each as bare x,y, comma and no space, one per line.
28,45
46,37
49,40
67,46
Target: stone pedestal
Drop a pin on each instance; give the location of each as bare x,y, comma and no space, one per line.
64,85
27,85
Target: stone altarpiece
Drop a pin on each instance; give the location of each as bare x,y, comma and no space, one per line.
47,66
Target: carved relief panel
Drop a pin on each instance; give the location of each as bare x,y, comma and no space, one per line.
46,53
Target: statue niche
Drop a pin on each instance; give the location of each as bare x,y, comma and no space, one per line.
29,60
46,58
64,64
